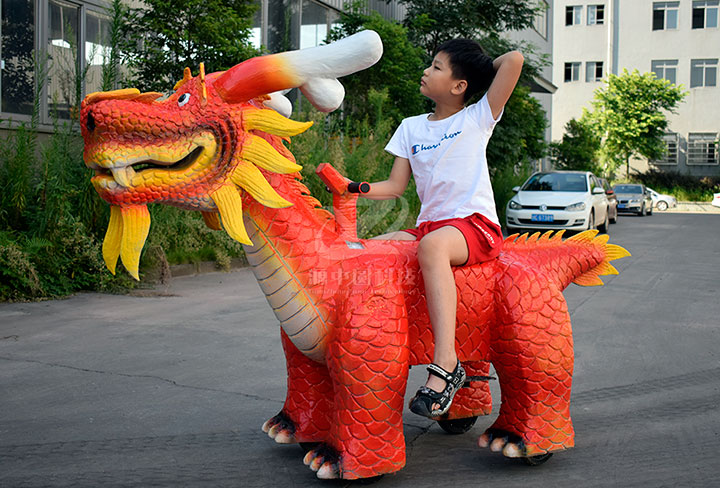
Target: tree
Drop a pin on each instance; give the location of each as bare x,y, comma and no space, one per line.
628,113
398,71
165,36
579,148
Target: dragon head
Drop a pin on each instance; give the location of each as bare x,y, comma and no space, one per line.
209,141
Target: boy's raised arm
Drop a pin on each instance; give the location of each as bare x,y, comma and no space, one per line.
507,72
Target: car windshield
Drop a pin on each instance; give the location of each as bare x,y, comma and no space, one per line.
628,189
556,182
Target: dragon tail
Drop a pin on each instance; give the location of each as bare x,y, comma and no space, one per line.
580,259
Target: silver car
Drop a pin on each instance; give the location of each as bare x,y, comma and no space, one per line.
633,198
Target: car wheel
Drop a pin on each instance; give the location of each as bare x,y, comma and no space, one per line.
662,205
641,212
650,210
613,219
604,227
591,221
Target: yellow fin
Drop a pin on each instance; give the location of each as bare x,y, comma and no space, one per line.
585,236
588,279
187,74
613,251
113,237
259,152
247,176
125,94
534,237
545,237
272,122
229,204
212,220
135,228
558,235
511,238
523,237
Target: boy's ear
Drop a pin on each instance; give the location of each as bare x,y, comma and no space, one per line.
459,87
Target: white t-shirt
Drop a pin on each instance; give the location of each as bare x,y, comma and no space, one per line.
448,162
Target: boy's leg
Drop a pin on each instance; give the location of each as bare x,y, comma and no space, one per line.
437,252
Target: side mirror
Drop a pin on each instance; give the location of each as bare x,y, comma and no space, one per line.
598,191
516,189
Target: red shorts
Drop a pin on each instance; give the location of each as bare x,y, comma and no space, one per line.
483,237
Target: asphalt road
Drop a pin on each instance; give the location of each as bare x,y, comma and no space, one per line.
170,388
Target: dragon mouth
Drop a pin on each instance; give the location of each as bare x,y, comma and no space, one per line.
124,175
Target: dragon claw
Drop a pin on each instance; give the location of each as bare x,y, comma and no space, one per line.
324,461
281,429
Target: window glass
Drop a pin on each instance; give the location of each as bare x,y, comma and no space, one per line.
63,52
703,72
256,29
97,49
705,14
666,69
17,76
313,31
596,14
574,182
702,148
573,14
665,15
572,71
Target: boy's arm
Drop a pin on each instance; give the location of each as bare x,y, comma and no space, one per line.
395,185
507,72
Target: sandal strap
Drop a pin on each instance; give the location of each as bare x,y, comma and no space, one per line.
436,370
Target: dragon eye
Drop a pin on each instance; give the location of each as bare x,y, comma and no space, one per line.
184,98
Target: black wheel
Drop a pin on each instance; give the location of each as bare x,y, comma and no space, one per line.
591,221
641,213
457,426
537,460
604,226
662,205
613,220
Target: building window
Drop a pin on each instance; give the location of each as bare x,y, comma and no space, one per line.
593,71
63,50
540,23
703,72
573,15
595,14
572,72
97,50
671,140
17,69
666,69
705,14
702,148
665,15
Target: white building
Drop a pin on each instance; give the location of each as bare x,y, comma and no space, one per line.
678,40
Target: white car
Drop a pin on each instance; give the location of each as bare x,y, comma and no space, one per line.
660,201
716,199
572,200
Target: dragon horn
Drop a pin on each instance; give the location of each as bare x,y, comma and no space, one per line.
315,70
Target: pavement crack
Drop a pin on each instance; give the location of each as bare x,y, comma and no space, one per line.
140,376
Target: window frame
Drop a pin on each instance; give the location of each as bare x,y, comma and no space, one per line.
574,73
600,7
664,7
596,66
664,65
705,65
702,7
541,19
701,141
41,42
671,155
576,14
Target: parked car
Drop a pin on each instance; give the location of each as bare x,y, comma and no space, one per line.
572,200
633,198
660,201
716,199
612,200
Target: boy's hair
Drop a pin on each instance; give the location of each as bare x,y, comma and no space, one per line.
469,62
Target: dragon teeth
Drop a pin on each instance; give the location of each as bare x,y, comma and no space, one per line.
123,176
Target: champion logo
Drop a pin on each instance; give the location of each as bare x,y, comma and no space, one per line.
416,148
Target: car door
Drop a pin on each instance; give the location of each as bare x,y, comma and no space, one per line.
600,201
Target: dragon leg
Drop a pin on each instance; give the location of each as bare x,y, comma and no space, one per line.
307,413
368,361
533,357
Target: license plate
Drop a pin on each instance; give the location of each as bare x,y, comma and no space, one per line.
622,205
542,217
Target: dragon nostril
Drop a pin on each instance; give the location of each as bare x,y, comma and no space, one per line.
90,124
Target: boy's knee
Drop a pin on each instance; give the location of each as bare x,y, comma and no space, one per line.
430,247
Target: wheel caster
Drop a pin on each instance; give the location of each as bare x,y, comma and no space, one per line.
537,460
457,426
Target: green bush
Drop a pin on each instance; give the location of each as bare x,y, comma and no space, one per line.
684,187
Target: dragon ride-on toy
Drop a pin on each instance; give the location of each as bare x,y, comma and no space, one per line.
352,311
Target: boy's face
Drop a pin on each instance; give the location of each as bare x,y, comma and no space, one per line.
438,80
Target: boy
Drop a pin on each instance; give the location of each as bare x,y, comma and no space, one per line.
458,224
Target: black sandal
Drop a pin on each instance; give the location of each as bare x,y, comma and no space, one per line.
425,398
